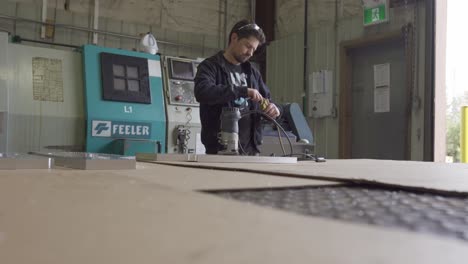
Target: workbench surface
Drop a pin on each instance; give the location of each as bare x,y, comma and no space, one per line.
154,215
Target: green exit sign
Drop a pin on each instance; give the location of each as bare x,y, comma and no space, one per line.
375,15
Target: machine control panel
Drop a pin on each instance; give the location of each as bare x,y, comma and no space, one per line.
180,74
182,92
182,109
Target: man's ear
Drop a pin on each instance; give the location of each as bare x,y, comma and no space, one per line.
234,37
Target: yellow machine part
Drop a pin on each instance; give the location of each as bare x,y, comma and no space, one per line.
464,134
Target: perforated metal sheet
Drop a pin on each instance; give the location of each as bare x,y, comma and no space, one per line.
419,212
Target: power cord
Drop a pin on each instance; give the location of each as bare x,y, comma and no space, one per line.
306,156
281,141
277,125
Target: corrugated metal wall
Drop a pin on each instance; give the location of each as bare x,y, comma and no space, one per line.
35,125
285,59
285,69
284,56
4,72
198,39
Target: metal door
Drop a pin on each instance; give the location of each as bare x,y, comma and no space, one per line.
379,135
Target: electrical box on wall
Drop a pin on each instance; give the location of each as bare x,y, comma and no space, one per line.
320,94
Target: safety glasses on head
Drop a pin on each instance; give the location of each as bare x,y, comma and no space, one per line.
249,26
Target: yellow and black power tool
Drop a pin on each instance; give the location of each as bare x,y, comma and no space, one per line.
264,104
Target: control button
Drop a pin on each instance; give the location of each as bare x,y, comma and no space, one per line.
178,97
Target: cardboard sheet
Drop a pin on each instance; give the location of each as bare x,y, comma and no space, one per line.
58,217
430,176
208,179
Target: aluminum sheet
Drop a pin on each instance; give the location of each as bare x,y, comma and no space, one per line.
14,161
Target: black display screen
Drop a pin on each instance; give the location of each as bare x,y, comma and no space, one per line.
182,70
125,78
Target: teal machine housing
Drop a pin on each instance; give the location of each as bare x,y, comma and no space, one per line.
121,127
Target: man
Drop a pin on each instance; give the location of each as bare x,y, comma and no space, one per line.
227,79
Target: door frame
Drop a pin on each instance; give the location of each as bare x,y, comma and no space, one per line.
346,69
439,100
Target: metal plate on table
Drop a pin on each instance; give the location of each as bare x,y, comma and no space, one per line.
14,161
91,161
215,158
165,157
245,159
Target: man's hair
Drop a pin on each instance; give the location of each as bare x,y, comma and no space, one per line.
246,29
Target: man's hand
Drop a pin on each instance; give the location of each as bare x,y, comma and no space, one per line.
254,95
272,111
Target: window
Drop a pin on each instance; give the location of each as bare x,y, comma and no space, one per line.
125,78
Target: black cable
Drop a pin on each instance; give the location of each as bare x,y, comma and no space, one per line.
274,121
305,155
243,152
281,141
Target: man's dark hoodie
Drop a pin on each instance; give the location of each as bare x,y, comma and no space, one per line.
214,90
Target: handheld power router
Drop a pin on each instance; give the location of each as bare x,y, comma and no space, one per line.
228,135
